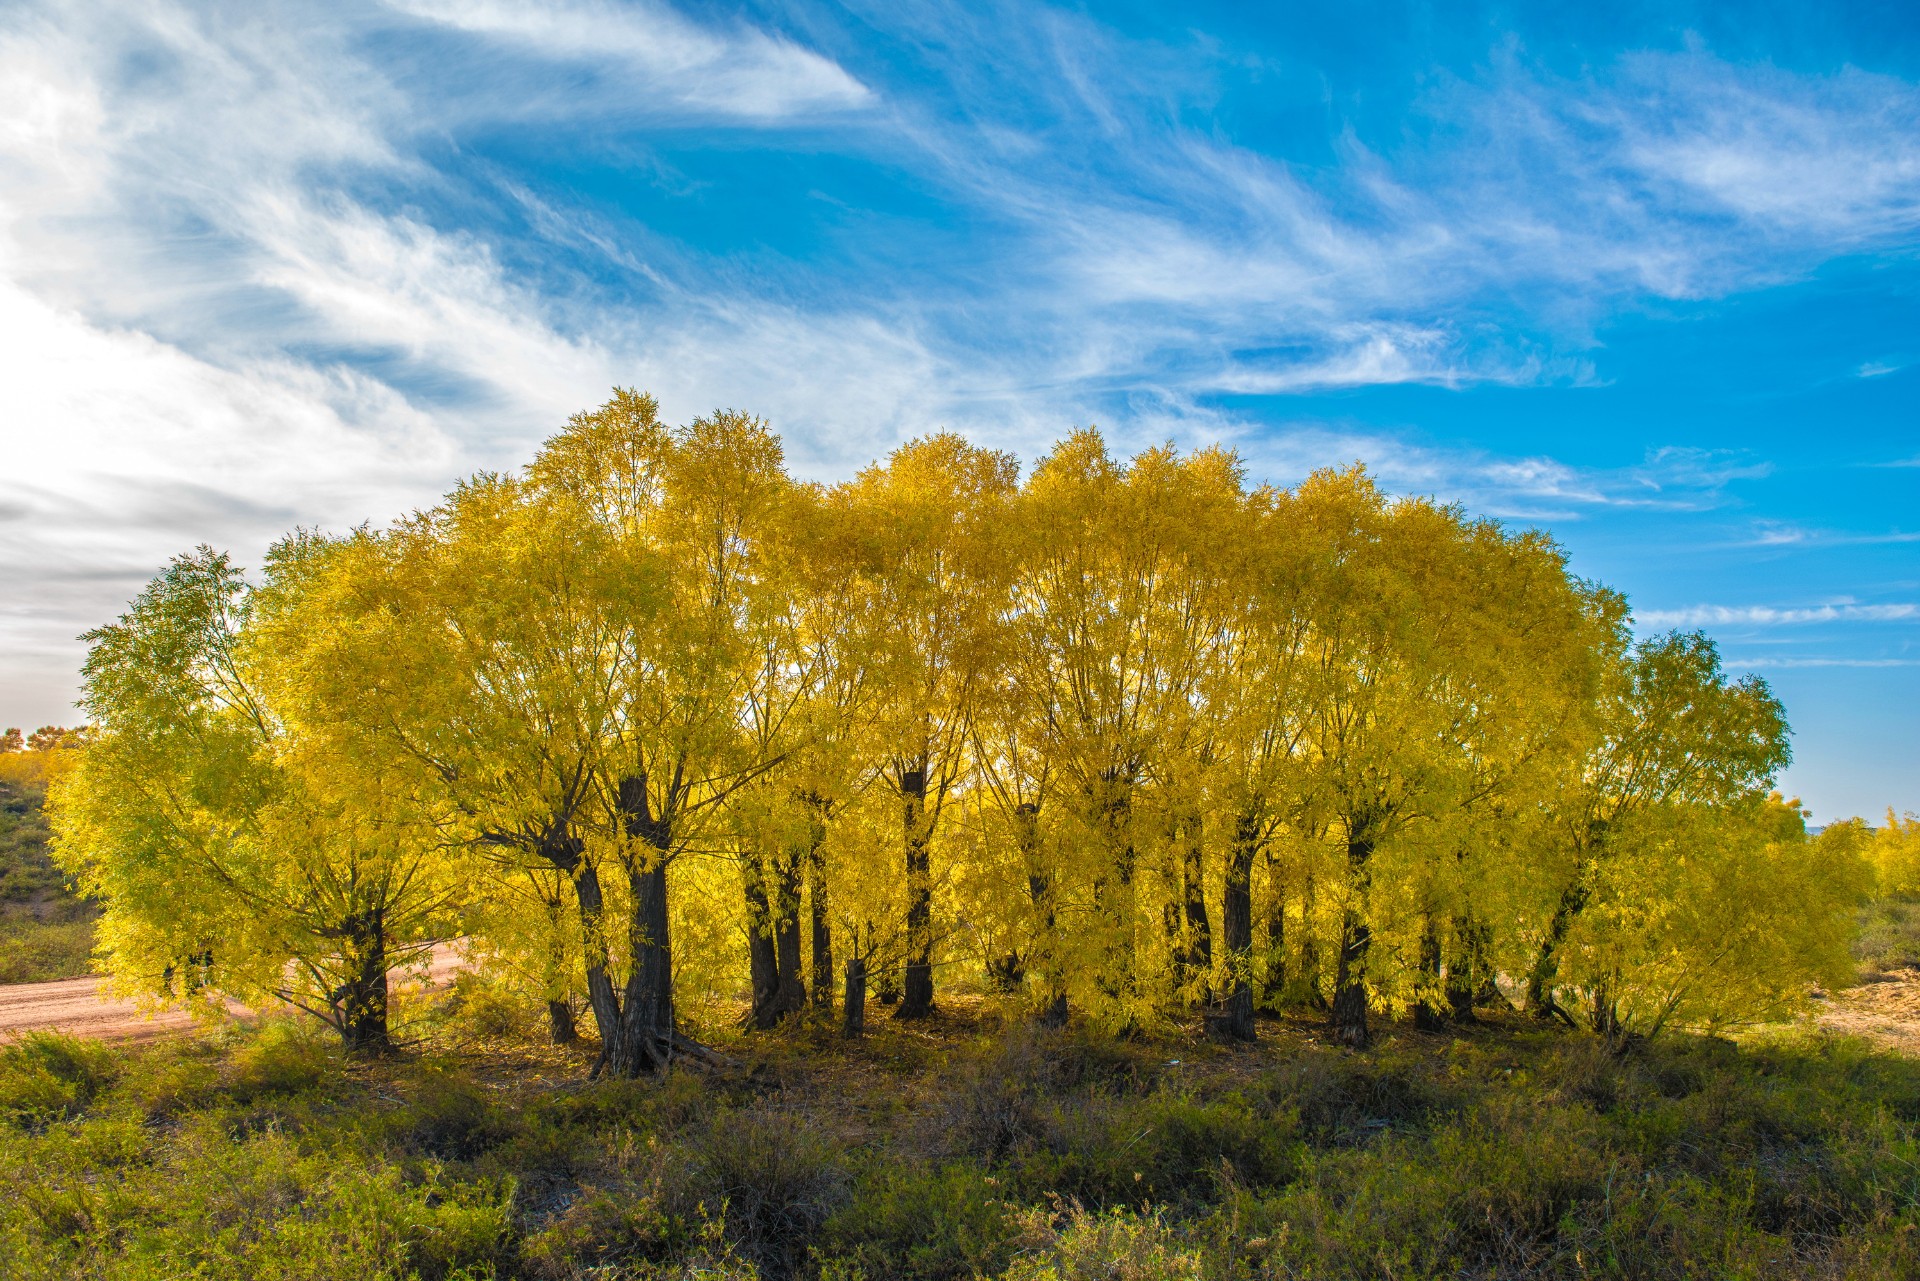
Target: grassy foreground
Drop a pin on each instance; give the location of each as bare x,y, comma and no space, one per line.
961,1149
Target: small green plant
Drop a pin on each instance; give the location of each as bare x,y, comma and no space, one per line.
46,1076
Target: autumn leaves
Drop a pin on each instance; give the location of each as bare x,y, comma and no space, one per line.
653,722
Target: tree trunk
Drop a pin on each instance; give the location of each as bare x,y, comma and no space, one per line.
1236,928
854,1003
1199,930
1273,980
790,996
916,995
1040,889
360,1003
1427,1014
1309,980
1468,974
763,960
560,1025
1349,1023
1546,967
646,1032
818,908
567,852
1113,896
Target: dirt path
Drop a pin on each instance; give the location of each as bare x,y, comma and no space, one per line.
79,1007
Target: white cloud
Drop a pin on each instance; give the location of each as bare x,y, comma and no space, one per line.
1772,616
653,53
1764,662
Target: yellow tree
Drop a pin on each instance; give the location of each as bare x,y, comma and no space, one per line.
1673,735
239,843
1115,615
932,522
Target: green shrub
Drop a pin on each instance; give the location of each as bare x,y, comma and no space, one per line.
47,1076
772,1180
1117,1245
450,1118
285,1058
605,1228
916,1222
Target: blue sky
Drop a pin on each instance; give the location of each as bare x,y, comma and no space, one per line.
1647,276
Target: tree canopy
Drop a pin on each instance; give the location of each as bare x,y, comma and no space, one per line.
652,722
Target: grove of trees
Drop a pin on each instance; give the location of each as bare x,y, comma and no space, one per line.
653,723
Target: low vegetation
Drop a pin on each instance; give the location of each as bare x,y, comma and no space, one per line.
46,931
960,1148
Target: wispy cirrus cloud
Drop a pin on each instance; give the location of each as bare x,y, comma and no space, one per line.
1777,616
250,274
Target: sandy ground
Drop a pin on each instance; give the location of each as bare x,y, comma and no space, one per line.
1886,1012
80,1007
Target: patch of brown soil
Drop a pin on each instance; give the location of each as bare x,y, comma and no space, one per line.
1885,1011
83,1007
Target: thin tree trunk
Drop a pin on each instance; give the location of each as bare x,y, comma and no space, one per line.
567,852
1350,996
1199,930
854,1004
1546,967
916,996
1309,980
790,996
1040,889
560,1025
1427,1014
561,1029
1236,928
818,907
361,1002
763,961
1113,895
1273,981
1465,967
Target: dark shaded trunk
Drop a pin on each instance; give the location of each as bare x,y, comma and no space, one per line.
360,1003
560,1025
1236,929
1468,974
763,960
1546,966
1113,895
1007,972
1350,996
916,986
561,1029
1428,1015
818,908
1040,890
1311,989
567,852
1273,977
645,1041
1197,955
790,996
854,1002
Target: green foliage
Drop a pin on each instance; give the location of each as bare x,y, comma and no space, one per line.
918,1220
46,932
45,1077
